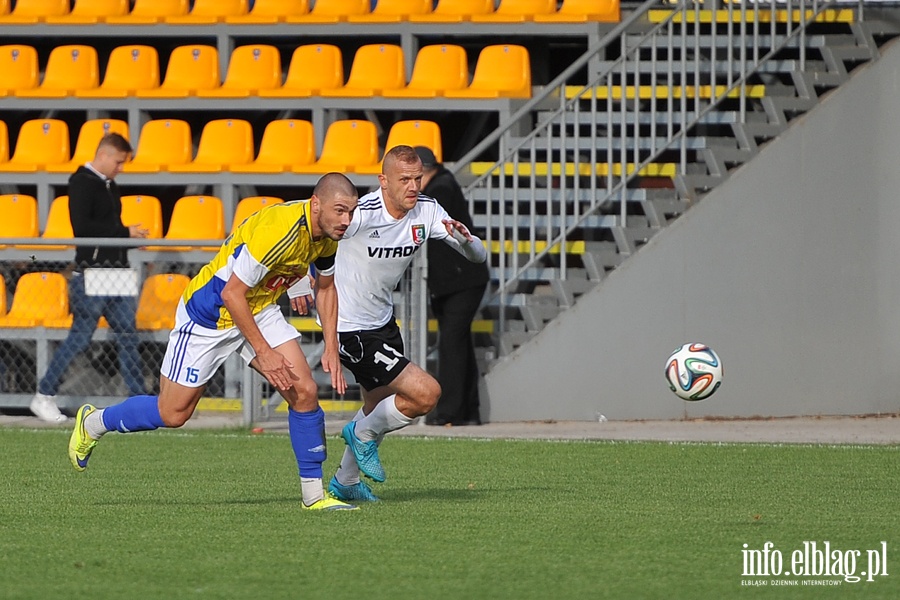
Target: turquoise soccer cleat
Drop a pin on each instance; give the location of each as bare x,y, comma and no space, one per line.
359,492
366,453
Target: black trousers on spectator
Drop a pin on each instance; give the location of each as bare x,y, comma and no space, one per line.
457,368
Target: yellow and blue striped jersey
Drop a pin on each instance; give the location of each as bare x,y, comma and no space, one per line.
269,251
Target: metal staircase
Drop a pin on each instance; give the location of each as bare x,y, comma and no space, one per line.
636,130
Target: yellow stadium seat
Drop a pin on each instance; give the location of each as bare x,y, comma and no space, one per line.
41,142
349,144
159,300
130,68
4,142
437,69
4,10
313,68
145,211
3,299
410,133
19,65
69,68
149,12
163,142
195,218
517,11
88,139
87,12
502,70
455,11
265,12
332,11
59,224
250,69
20,216
208,12
285,143
29,12
39,299
191,68
250,205
393,11
223,142
582,11
376,67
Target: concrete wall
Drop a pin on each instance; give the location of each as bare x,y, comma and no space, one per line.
790,271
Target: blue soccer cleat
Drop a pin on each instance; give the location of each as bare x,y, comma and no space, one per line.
366,453
358,491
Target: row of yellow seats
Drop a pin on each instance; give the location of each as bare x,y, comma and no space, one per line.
193,218
41,299
287,145
207,12
502,70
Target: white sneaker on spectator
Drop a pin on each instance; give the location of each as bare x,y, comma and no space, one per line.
44,408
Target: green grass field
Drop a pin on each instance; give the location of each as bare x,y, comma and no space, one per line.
205,514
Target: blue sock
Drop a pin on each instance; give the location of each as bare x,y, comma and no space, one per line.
138,413
307,430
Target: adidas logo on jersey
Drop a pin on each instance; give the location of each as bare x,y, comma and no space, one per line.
374,235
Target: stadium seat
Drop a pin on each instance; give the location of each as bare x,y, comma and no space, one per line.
208,12
58,225
149,12
40,299
191,68
376,67
266,12
502,70
3,299
4,142
88,12
349,144
195,218
393,11
331,11
313,68
30,12
410,133
250,69
455,11
285,143
517,11
437,69
582,11
145,211
20,216
223,142
4,10
69,68
163,142
250,205
129,69
159,300
41,142
19,65
88,139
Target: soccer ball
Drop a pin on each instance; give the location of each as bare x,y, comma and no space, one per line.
694,372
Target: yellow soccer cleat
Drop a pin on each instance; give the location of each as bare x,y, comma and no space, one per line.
80,443
329,502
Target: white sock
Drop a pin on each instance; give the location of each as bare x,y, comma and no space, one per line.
311,490
93,424
384,418
348,472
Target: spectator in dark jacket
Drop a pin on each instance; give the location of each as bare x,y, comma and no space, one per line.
95,208
456,286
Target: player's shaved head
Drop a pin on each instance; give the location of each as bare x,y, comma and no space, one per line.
399,154
332,185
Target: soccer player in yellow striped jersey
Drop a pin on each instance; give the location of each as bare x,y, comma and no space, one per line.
229,306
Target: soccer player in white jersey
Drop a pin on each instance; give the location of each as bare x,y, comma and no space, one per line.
388,228
229,306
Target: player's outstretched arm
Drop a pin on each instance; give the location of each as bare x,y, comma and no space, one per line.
467,243
327,308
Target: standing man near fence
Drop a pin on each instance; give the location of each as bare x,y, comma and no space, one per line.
230,306
390,225
95,208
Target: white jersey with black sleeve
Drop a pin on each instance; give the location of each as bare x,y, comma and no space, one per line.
373,254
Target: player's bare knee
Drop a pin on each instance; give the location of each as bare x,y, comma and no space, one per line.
429,397
174,418
305,395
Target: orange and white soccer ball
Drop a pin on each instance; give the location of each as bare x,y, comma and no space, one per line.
694,372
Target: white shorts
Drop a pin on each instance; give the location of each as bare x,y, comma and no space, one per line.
195,353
